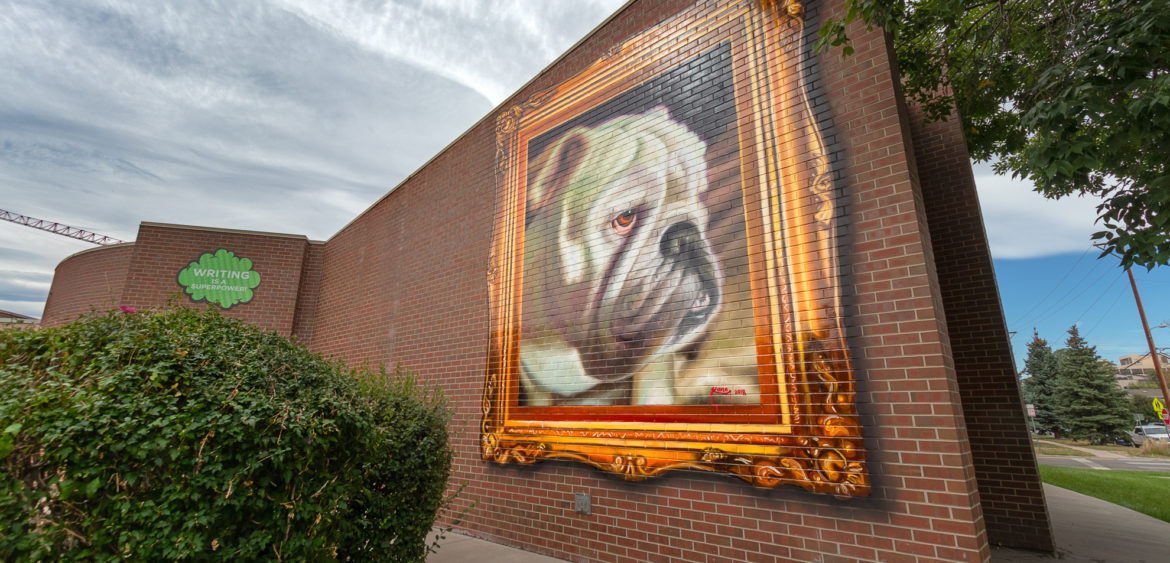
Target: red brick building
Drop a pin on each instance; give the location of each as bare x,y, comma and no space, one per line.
695,293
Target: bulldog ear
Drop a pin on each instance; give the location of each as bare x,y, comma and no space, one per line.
556,167
658,113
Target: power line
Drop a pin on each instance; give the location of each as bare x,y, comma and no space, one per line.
1108,309
1068,295
1053,290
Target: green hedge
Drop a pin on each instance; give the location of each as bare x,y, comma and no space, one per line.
185,435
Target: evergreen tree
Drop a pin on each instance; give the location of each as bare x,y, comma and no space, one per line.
1090,404
1040,388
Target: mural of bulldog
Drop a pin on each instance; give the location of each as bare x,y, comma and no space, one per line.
664,282
620,282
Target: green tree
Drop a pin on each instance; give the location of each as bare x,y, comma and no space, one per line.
1089,402
1140,404
1073,95
1040,387
185,435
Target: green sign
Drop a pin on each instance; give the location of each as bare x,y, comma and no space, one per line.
220,278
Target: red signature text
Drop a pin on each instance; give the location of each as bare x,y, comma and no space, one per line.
725,391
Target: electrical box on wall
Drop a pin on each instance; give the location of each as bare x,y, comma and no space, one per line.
583,503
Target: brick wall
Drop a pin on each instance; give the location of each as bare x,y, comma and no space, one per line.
143,274
1005,465
407,283
90,279
305,319
161,251
922,380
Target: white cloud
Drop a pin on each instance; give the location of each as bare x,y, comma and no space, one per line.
290,115
492,47
1021,223
28,308
28,259
286,116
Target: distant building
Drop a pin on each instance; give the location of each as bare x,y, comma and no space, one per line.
1133,369
8,319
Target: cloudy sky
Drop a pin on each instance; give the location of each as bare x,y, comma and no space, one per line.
290,116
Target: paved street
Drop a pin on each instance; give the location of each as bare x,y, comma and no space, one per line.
1126,464
1101,459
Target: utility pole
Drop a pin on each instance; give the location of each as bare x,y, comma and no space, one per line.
1149,338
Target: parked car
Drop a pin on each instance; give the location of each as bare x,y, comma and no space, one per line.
1141,434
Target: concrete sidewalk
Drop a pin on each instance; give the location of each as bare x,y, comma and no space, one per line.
1090,529
1087,529
458,548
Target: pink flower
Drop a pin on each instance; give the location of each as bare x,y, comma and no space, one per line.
128,310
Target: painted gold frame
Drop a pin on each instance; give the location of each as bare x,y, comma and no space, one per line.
808,434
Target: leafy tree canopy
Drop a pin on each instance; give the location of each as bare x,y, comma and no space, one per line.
1073,95
1140,404
184,435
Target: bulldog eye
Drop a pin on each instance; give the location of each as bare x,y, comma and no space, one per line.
624,222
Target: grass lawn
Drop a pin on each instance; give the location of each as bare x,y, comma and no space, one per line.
1155,449
1143,491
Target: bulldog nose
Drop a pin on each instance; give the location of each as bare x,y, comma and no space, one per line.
681,241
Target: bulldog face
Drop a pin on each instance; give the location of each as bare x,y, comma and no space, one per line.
617,270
